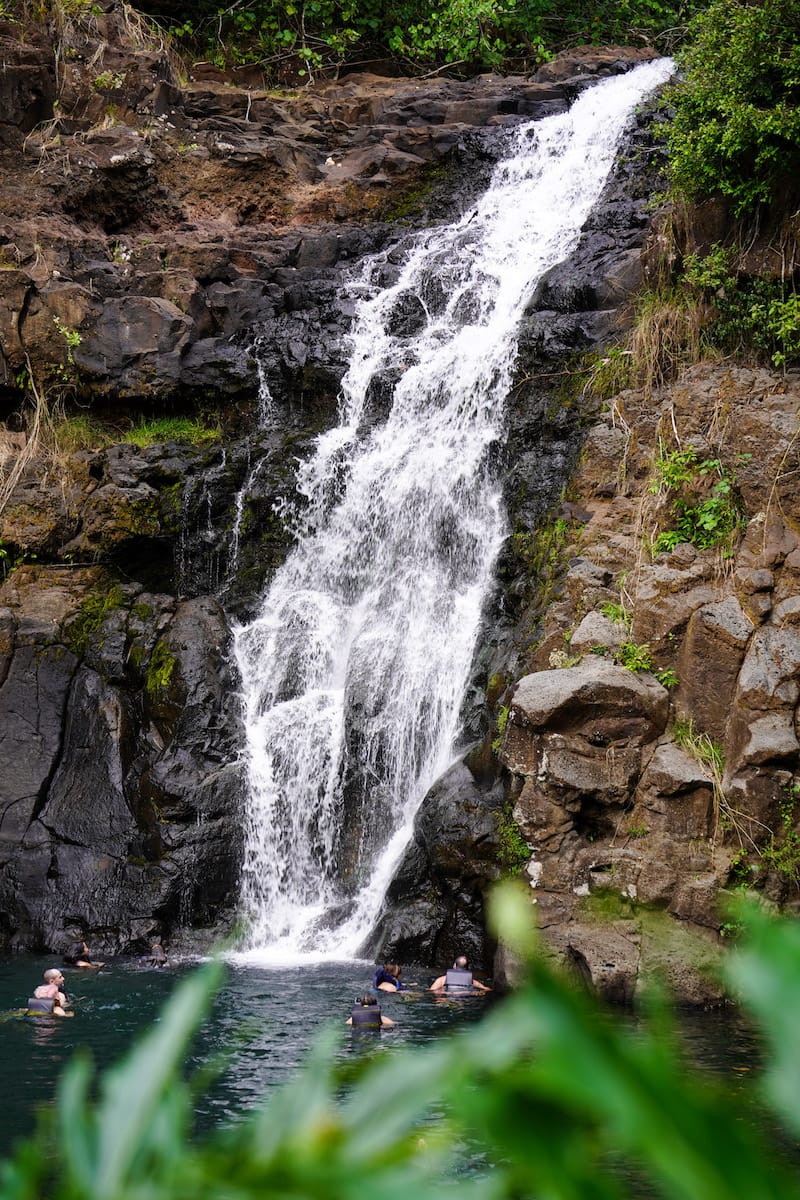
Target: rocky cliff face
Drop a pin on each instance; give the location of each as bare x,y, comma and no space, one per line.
646,797
168,242
173,241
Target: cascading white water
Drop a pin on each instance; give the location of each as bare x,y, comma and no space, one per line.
355,669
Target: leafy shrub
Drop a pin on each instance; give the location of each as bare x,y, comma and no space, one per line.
736,129
756,317
298,38
635,657
705,506
551,1095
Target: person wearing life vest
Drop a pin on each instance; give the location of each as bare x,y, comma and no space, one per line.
459,980
387,978
48,1000
367,1014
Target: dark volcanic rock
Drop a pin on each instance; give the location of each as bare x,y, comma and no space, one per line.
124,823
433,909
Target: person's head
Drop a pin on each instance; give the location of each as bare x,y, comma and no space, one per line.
367,999
392,969
53,975
461,963
157,949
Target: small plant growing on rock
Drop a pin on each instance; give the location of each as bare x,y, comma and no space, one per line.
615,612
704,504
637,831
513,852
559,660
635,657
783,853
502,721
710,754
159,671
71,337
667,678
108,81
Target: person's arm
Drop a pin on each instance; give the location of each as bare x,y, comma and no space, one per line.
349,1021
386,1020
480,986
438,984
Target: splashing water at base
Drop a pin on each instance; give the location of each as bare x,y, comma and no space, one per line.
354,671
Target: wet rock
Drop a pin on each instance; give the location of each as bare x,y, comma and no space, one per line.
434,906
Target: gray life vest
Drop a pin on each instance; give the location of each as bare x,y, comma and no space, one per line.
41,1007
456,980
366,1016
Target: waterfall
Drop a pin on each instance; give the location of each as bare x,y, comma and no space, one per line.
354,671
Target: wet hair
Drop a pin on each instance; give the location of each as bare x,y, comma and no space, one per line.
367,999
461,963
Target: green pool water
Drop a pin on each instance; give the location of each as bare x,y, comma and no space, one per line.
266,1017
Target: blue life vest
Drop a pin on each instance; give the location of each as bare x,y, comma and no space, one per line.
458,981
383,976
366,1016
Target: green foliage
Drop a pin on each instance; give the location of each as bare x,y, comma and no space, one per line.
611,372
667,678
705,506
500,725
108,81
760,317
746,316
82,432
615,611
170,429
554,1097
71,336
160,670
736,129
293,40
702,747
92,612
513,852
783,852
635,657
637,831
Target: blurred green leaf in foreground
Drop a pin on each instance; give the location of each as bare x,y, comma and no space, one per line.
547,1098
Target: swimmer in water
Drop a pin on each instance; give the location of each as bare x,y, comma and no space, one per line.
48,1000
